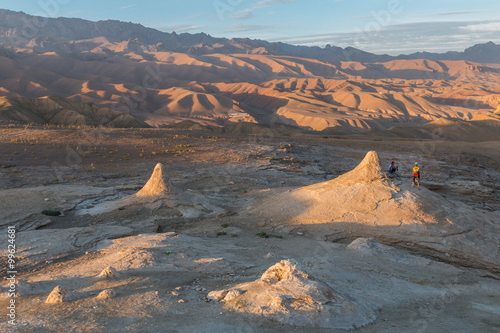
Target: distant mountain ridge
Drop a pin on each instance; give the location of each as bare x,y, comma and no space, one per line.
51,32
40,35
487,53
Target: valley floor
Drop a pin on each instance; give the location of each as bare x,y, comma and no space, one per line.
169,259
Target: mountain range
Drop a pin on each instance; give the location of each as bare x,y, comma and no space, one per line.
39,34
164,78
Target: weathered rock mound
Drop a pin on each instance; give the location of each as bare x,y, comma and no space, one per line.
362,195
288,294
108,273
362,203
58,295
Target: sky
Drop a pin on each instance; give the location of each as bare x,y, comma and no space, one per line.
379,26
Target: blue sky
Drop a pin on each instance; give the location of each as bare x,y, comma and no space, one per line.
379,26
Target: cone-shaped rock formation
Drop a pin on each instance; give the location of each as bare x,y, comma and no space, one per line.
156,185
367,171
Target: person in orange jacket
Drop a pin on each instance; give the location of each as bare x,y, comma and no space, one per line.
416,175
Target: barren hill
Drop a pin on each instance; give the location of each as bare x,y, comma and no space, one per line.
482,129
60,111
308,93
166,78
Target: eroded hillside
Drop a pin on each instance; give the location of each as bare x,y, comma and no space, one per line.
165,87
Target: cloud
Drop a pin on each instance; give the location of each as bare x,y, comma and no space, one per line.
249,13
457,12
242,15
269,3
408,38
247,28
129,6
196,16
485,27
180,28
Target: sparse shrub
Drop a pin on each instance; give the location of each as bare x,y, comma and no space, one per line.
49,212
221,233
422,282
262,234
234,235
225,225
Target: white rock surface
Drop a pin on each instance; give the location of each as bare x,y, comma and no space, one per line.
38,246
287,294
23,207
370,247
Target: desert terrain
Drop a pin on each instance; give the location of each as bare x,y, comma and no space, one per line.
164,182
219,89
224,211
164,78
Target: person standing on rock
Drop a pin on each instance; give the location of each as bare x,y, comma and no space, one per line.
416,175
